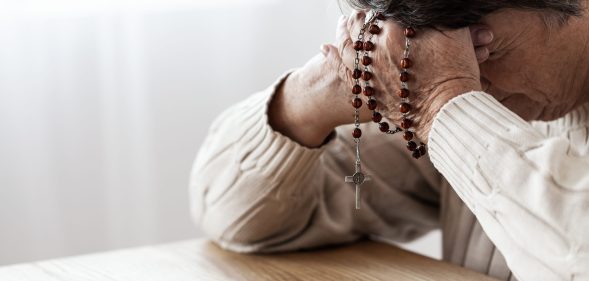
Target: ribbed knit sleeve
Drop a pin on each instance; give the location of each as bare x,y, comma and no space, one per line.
254,190
529,190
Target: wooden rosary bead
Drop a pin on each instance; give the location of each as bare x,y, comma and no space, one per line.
416,154
357,73
357,103
371,104
404,107
368,46
406,63
366,75
384,127
366,60
404,77
410,32
408,135
406,123
374,29
403,93
376,117
357,133
411,145
356,90
369,91
358,45
422,149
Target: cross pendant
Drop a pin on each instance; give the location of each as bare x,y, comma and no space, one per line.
358,179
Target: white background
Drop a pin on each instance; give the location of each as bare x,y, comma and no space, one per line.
103,105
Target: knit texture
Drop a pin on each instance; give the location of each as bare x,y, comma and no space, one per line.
511,197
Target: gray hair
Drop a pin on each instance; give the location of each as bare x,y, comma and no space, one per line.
461,13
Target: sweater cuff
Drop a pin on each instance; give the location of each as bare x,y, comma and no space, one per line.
277,157
472,127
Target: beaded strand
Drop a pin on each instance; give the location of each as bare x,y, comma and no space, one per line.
363,49
405,106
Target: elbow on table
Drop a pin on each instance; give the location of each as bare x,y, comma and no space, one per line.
243,230
239,237
245,245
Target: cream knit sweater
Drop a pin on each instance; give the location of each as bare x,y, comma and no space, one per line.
511,197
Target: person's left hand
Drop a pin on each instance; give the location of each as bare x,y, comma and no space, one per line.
444,66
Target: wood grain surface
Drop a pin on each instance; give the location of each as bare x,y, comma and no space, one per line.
202,260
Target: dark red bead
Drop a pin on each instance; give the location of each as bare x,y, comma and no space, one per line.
406,123
371,104
376,117
366,75
403,93
374,29
422,149
357,73
406,63
356,90
366,60
368,91
404,77
408,135
368,46
380,16
358,45
410,32
404,107
416,154
384,127
411,145
357,133
357,103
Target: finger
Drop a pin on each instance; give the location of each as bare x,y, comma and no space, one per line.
341,26
335,62
345,46
482,54
481,35
355,23
333,57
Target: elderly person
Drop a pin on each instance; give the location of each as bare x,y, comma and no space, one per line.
501,98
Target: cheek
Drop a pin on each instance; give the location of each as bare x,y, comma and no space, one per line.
523,106
508,73
524,82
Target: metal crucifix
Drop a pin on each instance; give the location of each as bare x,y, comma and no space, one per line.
358,178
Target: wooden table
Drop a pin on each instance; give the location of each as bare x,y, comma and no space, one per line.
202,260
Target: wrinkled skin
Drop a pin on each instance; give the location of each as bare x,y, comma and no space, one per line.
537,71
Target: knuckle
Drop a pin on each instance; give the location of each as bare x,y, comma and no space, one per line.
344,45
354,19
350,23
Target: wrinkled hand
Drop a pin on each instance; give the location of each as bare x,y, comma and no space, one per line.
445,65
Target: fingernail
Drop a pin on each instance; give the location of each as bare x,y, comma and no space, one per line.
484,36
324,49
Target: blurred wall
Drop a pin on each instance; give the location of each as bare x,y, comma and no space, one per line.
103,106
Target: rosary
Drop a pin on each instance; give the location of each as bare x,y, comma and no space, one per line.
363,49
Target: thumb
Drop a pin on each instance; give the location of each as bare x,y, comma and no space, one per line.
334,61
